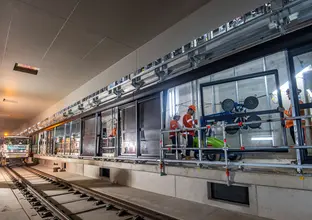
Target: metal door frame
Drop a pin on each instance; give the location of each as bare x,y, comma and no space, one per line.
244,77
83,132
295,101
145,99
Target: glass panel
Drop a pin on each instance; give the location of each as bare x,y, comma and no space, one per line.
303,71
89,137
15,141
278,61
128,130
185,98
178,100
109,132
255,66
67,138
225,74
59,139
75,138
149,116
34,144
222,92
42,143
260,89
264,89
50,142
255,87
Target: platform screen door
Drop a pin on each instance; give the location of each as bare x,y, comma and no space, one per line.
149,126
88,136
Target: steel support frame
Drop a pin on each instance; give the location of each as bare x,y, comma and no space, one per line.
138,130
64,138
81,135
163,98
98,128
250,76
70,135
256,52
302,155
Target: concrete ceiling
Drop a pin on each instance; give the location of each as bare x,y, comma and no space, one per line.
71,41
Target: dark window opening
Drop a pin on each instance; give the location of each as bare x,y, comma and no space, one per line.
235,194
104,172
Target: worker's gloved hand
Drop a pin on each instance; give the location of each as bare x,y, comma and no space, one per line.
196,121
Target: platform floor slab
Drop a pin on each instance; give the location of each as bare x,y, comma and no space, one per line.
10,208
18,214
177,208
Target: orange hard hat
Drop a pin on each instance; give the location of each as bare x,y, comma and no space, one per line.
193,107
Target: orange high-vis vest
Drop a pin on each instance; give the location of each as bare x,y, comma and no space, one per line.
174,124
114,132
188,123
288,113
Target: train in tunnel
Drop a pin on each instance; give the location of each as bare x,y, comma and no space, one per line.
14,149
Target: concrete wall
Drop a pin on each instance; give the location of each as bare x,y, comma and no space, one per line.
282,203
205,19
275,196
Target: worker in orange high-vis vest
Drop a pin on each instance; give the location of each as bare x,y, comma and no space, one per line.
114,131
174,125
290,123
189,122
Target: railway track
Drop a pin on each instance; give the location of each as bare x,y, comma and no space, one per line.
56,199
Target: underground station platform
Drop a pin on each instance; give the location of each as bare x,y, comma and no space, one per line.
192,114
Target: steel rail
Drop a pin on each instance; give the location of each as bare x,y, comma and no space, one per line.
130,207
27,185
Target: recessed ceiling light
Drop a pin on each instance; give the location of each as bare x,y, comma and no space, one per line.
26,68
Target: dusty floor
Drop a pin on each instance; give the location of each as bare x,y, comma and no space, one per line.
10,207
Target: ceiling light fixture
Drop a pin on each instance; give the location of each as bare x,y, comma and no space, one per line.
26,68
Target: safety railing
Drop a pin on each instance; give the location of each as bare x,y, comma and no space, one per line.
227,164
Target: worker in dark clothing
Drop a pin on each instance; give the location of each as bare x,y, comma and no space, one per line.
189,122
174,125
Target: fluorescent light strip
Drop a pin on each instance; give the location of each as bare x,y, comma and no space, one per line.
262,138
